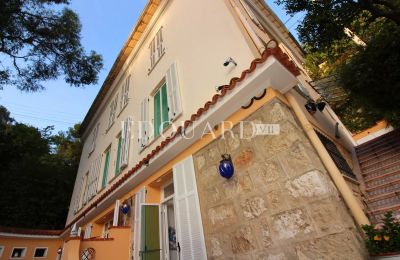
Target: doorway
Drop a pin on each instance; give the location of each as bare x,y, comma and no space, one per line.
168,230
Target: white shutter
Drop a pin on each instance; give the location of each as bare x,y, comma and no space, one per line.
189,226
79,194
125,140
88,231
140,198
143,131
173,92
116,213
94,172
94,137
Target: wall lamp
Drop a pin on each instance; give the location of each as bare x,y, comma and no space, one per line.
228,61
312,106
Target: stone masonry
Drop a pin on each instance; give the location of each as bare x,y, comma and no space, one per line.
280,203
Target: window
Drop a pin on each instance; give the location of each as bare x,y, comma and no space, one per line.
1,250
113,109
106,228
40,252
157,49
117,163
84,186
92,179
161,119
166,107
336,156
105,169
94,137
125,94
18,252
168,190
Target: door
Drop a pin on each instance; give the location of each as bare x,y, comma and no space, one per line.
190,237
168,229
150,235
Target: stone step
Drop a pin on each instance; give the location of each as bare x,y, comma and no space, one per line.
381,170
386,147
383,189
385,202
379,162
373,157
387,178
379,177
389,137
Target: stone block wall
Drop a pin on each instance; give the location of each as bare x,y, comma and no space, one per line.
280,203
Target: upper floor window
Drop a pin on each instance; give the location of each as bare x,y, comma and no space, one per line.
105,168
166,107
1,250
113,109
94,137
125,94
160,102
156,48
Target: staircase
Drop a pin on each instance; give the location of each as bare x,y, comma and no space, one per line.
380,166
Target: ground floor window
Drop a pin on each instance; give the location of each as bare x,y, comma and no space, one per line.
18,252
40,252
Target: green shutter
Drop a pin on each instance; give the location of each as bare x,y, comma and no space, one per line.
157,114
117,168
150,240
164,108
105,171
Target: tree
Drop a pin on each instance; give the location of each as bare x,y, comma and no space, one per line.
37,172
325,20
40,42
367,71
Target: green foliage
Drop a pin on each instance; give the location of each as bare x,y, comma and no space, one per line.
40,41
385,237
368,73
373,75
37,174
325,20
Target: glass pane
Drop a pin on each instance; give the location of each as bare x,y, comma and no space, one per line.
117,170
164,102
105,172
157,113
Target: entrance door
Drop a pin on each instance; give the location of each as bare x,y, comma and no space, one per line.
150,235
168,229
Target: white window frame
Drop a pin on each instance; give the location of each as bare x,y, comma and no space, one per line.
2,248
94,138
125,94
113,111
41,247
156,48
23,252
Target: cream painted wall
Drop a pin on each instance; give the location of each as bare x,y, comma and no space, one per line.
199,36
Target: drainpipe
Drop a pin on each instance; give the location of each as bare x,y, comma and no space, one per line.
333,171
253,36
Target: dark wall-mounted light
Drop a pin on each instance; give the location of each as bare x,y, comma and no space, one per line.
312,106
226,168
228,61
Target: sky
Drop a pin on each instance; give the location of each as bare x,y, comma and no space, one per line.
105,28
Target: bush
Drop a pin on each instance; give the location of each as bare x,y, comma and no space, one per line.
383,237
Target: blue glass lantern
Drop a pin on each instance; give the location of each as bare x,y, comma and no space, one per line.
226,168
125,208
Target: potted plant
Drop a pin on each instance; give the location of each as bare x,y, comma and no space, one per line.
383,239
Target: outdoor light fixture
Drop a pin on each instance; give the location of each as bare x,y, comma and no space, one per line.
312,106
59,251
226,168
219,88
229,60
